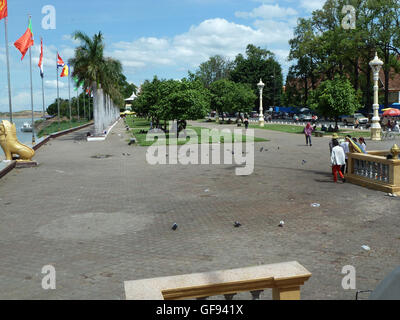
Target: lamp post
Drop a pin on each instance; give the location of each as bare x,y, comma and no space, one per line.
261,86
376,66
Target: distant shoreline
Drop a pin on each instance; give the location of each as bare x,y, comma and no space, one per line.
21,115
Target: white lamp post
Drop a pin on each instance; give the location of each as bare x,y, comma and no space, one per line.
261,86
376,66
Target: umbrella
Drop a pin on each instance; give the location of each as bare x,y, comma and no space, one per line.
392,113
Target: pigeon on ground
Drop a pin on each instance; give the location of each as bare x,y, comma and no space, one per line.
262,148
237,224
304,162
174,227
281,224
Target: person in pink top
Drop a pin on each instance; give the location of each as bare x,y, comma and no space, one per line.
308,130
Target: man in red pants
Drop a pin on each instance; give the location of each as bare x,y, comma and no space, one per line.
338,159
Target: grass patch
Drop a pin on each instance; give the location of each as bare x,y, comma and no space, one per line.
299,130
138,125
64,125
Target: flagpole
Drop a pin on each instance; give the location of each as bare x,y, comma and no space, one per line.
30,63
42,76
8,69
44,112
84,103
69,99
77,101
58,94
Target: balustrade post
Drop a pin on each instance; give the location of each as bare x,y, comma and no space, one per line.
292,293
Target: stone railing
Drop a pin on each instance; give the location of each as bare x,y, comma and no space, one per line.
374,170
285,280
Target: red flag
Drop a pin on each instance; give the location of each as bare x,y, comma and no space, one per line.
26,41
60,62
3,9
40,65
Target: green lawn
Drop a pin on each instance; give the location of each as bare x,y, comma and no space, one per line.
64,125
139,124
299,130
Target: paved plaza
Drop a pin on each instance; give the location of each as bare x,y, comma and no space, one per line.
101,215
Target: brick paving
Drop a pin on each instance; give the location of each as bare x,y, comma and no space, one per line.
101,221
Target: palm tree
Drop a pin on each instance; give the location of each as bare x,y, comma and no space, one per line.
92,68
96,71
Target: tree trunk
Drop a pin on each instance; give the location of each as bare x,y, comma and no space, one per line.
369,91
305,91
387,74
356,75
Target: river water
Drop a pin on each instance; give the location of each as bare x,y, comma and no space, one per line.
23,137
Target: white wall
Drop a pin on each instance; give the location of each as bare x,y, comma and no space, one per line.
105,113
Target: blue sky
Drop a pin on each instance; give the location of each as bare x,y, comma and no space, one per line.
154,37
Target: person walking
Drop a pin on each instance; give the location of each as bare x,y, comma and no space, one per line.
308,130
335,136
337,161
346,148
246,123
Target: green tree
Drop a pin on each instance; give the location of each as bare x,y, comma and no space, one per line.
334,98
259,63
228,96
93,69
214,69
164,100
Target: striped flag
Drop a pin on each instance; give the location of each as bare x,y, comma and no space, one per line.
65,71
40,65
60,62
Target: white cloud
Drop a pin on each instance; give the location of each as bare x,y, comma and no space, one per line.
52,84
210,37
311,5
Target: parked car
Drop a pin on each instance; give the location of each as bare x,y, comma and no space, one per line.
254,114
306,117
351,119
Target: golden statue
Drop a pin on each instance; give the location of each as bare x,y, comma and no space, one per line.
10,144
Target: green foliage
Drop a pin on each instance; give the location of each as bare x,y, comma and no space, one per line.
334,98
52,109
322,48
228,96
94,70
172,100
214,69
259,63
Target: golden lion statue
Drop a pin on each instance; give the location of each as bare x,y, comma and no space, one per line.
10,144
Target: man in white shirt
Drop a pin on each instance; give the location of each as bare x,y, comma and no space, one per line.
338,159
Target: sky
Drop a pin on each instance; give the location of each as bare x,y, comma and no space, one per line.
166,38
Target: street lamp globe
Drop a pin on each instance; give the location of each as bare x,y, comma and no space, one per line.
376,66
261,86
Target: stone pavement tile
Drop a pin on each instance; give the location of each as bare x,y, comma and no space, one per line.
104,221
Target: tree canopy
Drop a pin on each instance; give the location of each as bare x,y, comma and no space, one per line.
259,63
321,48
334,98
